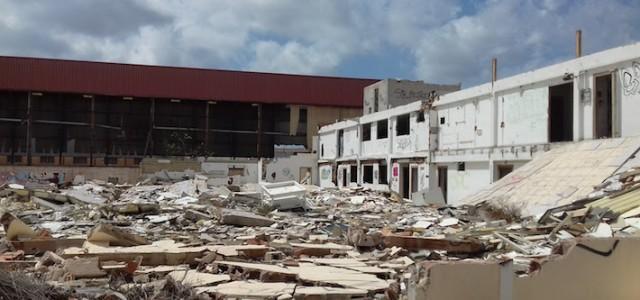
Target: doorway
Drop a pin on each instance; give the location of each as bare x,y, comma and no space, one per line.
354,174
561,113
404,180
343,175
504,170
603,107
414,180
442,181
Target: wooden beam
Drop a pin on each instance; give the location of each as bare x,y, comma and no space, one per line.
420,243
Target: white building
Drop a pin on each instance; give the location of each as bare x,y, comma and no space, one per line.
475,136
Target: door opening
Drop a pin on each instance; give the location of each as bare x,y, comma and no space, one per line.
561,113
343,174
504,170
354,174
603,107
442,181
404,180
414,180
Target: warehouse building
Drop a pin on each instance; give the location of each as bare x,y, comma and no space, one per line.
79,113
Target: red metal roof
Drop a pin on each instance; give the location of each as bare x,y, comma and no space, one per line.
113,79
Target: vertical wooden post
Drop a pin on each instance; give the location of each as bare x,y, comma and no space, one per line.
259,138
206,128
29,121
578,43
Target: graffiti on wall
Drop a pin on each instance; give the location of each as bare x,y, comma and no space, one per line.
631,79
24,176
403,144
404,94
325,173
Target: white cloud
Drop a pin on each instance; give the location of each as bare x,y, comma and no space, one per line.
448,41
523,35
292,57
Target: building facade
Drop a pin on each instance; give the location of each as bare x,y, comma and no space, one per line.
78,113
478,135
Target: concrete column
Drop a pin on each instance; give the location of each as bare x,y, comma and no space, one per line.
577,109
206,127
259,135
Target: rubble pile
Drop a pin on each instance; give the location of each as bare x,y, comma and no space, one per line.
191,240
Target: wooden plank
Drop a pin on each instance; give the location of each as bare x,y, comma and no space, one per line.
424,243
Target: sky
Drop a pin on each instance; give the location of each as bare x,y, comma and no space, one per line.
439,41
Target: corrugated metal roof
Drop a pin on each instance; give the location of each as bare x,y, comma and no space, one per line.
112,79
619,204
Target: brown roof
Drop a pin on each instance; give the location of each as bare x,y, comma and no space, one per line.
113,79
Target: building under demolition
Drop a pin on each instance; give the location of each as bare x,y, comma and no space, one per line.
460,142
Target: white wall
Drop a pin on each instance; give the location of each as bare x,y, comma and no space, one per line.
218,172
376,146
522,116
288,168
329,142
463,183
416,140
467,124
629,87
326,175
351,142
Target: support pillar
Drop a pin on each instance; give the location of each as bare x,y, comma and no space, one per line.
29,121
259,138
92,148
206,129
148,147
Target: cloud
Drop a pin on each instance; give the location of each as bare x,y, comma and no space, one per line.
523,35
440,41
292,57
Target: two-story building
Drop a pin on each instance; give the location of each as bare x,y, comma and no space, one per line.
472,137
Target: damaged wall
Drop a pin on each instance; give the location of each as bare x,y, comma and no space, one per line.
581,274
20,174
296,167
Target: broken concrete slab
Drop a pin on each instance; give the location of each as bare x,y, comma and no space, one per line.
88,267
194,278
258,267
341,277
15,229
251,289
326,292
164,252
35,246
242,218
114,236
284,195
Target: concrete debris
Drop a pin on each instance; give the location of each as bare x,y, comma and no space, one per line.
114,236
278,241
242,218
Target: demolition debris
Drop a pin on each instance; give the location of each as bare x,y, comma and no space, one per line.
188,239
